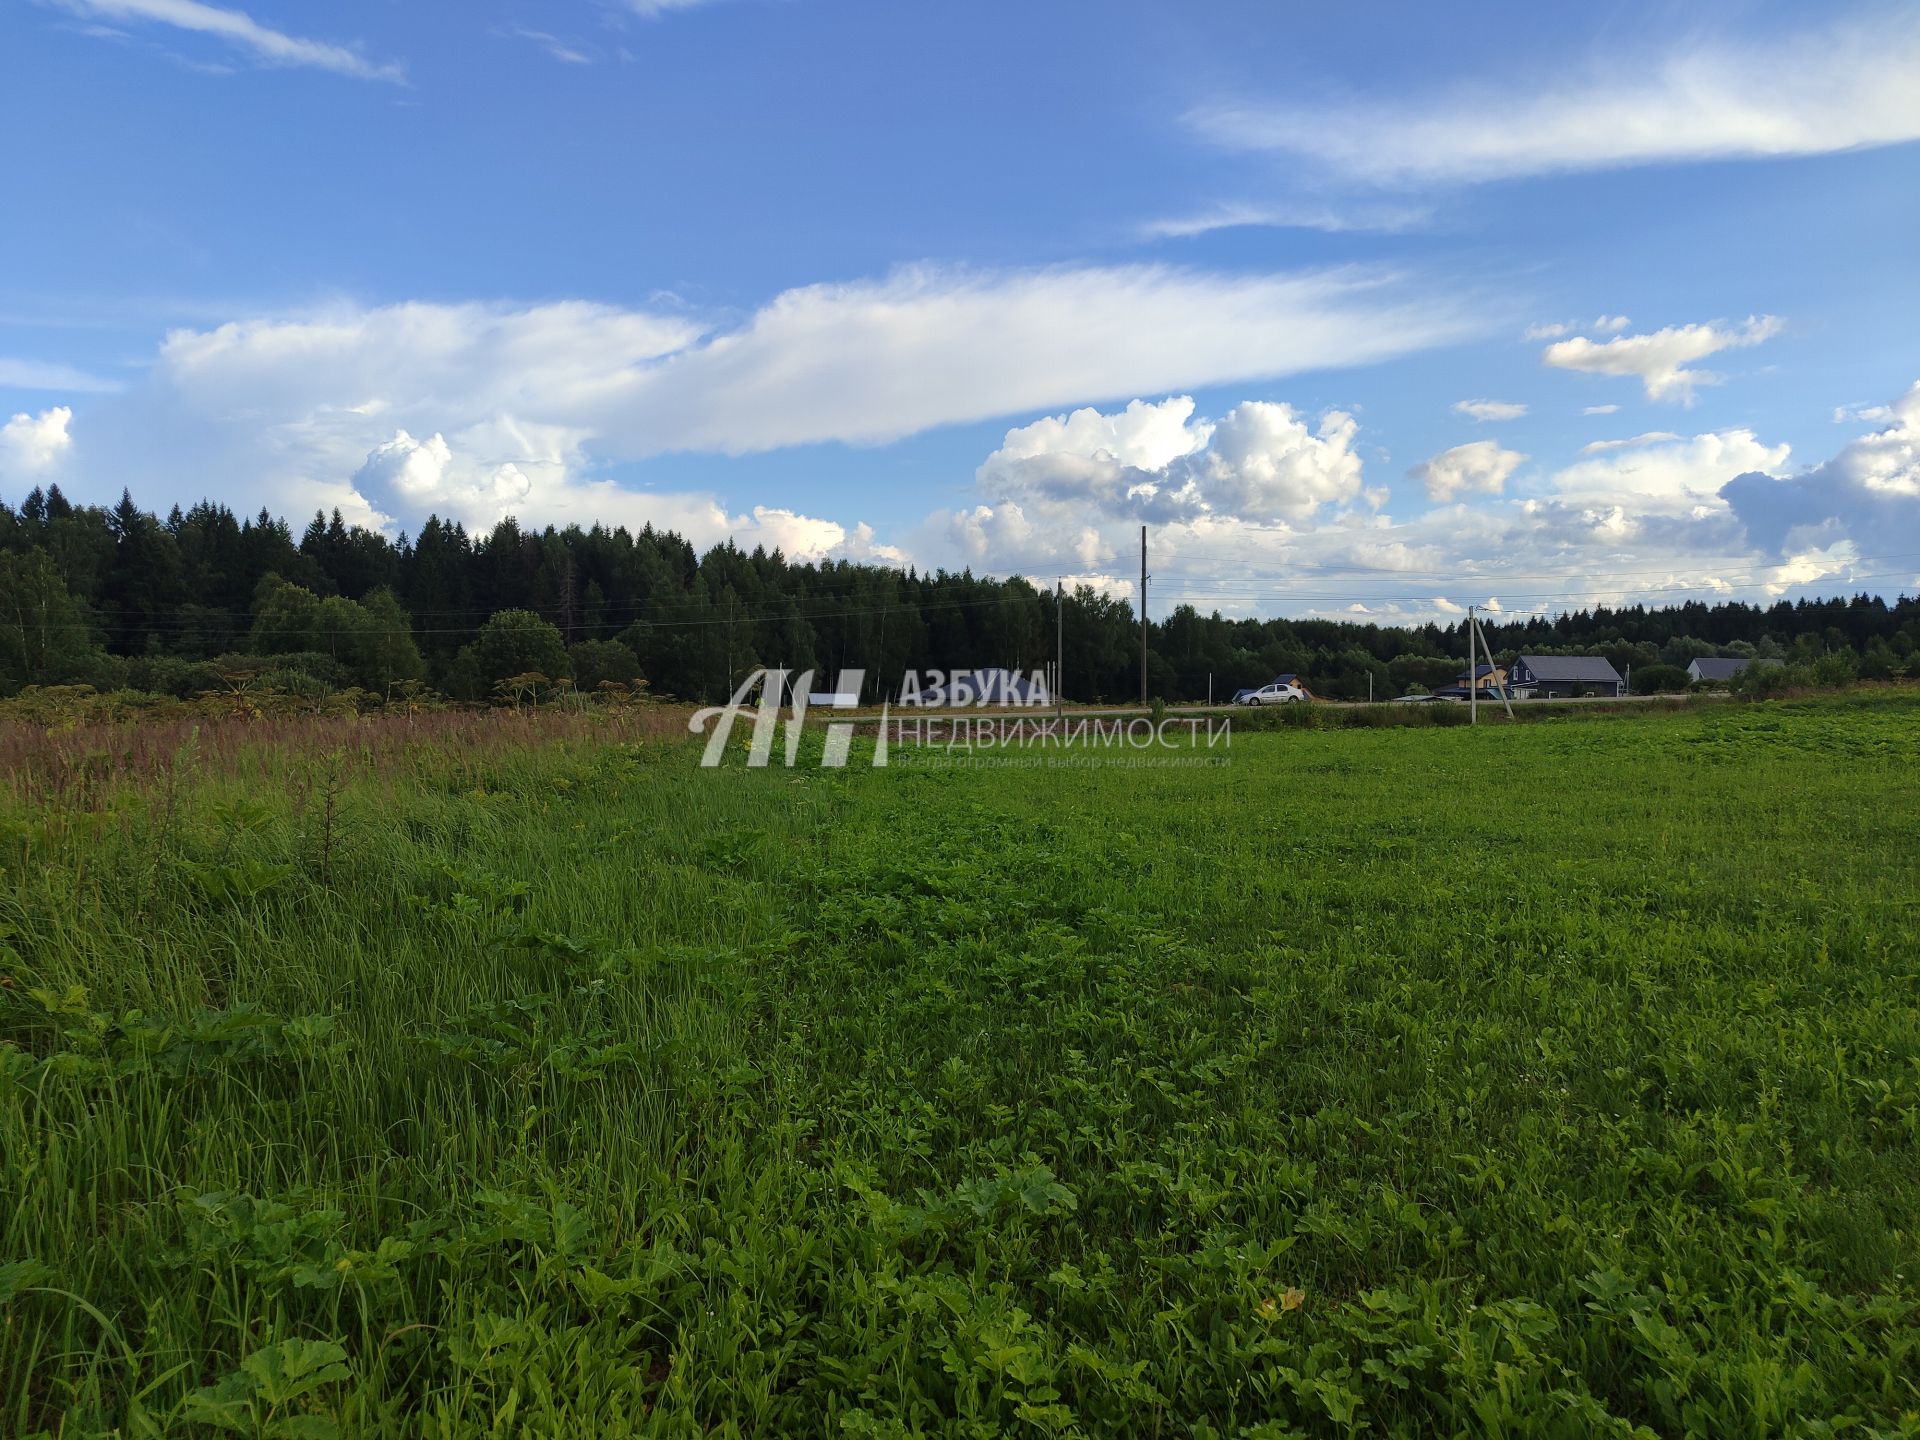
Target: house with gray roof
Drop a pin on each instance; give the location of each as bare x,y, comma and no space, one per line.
1554,677
1712,670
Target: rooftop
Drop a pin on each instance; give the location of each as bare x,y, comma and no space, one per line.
1593,669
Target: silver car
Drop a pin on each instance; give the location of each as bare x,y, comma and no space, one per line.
1274,694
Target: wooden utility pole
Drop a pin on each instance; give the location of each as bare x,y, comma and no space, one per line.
1143,615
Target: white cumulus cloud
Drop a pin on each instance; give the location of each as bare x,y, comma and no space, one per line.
1661,518
1155,461
807,537
1480,467
1659,359
32,443
1666,473
424,476
1869,493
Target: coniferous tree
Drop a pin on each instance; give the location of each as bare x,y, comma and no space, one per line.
372,610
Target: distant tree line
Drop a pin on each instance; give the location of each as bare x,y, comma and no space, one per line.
119,598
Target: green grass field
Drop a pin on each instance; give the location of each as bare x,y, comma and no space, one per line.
1559,1079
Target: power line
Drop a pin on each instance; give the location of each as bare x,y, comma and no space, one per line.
181,625
1458,577
1255,590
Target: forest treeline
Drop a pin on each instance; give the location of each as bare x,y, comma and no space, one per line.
120,598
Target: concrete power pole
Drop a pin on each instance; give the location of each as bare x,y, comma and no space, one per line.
1487,650
1059,640
1474,632
1473,690
1143,615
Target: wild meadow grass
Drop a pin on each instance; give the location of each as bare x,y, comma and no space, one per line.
1553,1079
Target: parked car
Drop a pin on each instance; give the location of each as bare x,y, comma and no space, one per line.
1278,693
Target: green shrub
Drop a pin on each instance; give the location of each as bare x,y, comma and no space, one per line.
515,643
1835,669
598,661
1659,679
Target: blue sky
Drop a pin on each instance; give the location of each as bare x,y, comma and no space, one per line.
1335,299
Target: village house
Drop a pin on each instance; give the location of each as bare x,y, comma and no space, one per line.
1715,670
1488,680
1558,677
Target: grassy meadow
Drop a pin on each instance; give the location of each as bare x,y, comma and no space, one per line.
510,1076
